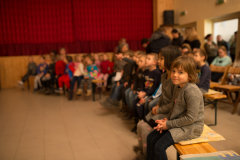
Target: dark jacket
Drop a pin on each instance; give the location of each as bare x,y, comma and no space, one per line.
127,74
193,44
177,41
157,44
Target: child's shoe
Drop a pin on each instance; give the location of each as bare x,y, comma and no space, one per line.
89,93
20,83
60,91
79,92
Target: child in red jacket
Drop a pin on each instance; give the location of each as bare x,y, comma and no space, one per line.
104,71
66,78
60,68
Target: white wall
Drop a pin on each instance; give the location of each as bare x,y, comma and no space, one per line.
225,28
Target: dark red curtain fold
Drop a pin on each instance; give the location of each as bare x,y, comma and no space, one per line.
30,27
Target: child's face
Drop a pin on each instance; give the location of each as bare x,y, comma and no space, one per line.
105,57
62,51
179,77
96,57
161,62
198,58
190,55
221,53
79,58
120,56
124,48
126,55
144,45
142,62
184,50
150,61
135,57
89,61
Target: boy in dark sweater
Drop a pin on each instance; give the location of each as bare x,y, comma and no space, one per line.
151,83
32,70
124,82
204,72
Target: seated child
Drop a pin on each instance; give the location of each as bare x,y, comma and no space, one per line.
118,67
144,127
77,75
67,77
60,67
221,60
156,95
90,73
48,79
131,93
41,71
186,120
104,71
97,62
116,92
203,71
32,70
151,83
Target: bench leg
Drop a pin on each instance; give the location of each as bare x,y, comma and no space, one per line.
236,104
215,112
93,91
178,156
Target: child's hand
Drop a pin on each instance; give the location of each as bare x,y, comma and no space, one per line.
162,124
86,77
125,84
47,75
118,83
149,100
154,109
141,94
132,86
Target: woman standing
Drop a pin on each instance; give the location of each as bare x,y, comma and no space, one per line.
192,38
210,48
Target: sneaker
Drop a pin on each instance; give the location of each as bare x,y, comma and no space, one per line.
79,92
20,83
134,129
89,93
47,92
60,91
106,104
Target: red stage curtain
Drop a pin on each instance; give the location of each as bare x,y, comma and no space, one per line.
30,27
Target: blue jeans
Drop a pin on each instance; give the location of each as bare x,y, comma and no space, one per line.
116,91
152,103
157,144
74,79
127,92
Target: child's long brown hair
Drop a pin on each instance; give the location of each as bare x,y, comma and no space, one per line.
188,65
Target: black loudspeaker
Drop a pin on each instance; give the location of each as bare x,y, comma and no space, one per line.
168,17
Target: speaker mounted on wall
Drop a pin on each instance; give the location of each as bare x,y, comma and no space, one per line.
168,17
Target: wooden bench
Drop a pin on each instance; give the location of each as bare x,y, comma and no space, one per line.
219,69
94,87
212,99
199,148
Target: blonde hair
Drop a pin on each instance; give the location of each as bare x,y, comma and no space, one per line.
75,57
188,65
154,55
191,34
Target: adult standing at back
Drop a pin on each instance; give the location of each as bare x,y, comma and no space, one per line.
177,38
210,48
221,42
158,40
192,38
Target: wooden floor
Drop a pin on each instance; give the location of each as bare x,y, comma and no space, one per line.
38,127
